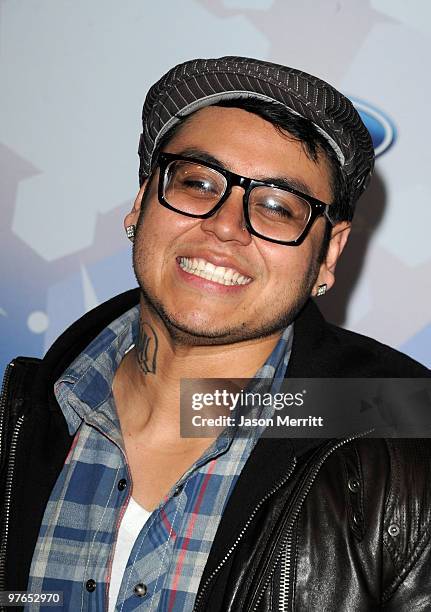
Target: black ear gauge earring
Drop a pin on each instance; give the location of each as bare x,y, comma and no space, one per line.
321,289
130,232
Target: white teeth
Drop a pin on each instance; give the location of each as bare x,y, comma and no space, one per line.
217,274
228,274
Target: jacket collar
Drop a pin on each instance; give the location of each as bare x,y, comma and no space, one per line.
308,337
309,340
313,355
76,338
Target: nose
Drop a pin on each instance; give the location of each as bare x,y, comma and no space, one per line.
228,222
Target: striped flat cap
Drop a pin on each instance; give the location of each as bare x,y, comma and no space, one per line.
202,82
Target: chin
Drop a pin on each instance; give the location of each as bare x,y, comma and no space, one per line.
193,330
197,330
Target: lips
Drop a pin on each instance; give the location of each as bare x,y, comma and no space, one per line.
198,266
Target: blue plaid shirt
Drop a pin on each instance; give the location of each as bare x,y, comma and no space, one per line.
80,525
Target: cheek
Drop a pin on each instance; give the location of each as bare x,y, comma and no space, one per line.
152,225
160,231
286,264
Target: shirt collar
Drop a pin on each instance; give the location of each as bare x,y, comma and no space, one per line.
84,388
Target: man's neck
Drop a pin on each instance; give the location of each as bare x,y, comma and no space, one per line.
147,384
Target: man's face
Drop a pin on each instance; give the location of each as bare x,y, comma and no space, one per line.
276,279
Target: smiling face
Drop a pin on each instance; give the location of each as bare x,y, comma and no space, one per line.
209,280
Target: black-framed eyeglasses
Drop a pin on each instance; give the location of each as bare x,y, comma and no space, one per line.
198,189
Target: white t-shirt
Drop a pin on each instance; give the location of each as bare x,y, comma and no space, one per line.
131,524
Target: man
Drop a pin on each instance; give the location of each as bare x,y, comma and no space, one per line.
249,176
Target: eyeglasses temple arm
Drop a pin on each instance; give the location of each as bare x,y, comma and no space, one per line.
325,212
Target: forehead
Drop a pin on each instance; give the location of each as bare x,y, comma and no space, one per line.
251,146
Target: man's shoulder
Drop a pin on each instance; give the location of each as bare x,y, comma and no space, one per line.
322,349
374,354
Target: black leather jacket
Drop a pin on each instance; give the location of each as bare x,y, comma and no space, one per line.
312,525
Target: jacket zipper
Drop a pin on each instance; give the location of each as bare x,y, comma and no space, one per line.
10,466
3,404
285,574
287,540
8,498
242,532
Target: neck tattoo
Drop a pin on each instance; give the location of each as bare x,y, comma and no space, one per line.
146,349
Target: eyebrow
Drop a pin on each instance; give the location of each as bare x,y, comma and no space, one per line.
282,181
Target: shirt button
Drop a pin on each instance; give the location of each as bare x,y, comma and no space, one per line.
90,585
122,484
140,589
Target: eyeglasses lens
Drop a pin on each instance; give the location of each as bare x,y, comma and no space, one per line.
196,189
193,188
277,213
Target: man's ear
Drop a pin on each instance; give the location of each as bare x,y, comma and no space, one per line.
132,217
339,235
